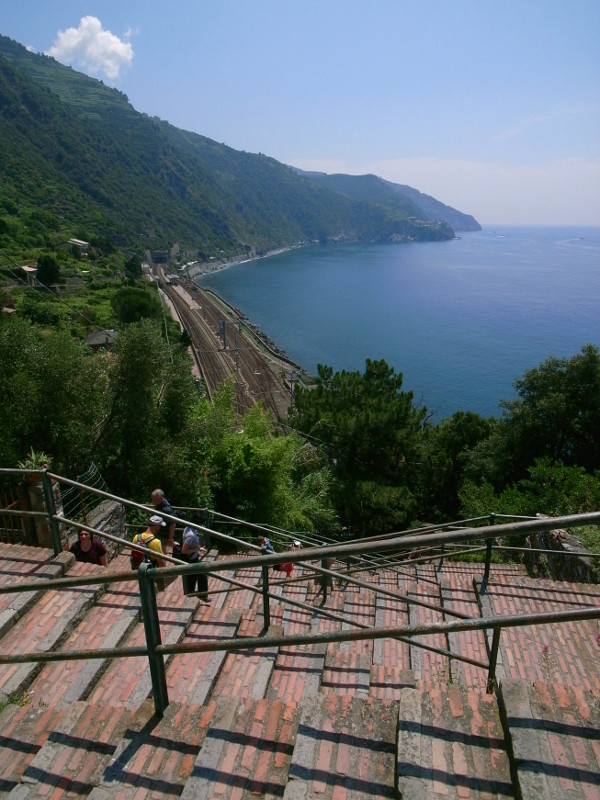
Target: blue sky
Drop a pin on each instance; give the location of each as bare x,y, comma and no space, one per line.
491,107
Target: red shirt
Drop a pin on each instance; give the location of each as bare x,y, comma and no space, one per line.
92,556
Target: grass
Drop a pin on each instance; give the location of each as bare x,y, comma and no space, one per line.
589,536
14,699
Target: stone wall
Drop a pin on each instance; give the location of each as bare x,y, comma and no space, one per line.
31,497
576,567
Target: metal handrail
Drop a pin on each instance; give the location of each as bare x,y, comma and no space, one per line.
431,536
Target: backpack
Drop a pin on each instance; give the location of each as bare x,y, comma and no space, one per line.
190,558
140,556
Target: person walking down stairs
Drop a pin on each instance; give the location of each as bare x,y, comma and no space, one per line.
193,550
152,547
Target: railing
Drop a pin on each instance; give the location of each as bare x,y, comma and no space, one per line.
431,542
78,502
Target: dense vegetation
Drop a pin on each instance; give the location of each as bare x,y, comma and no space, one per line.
138,415
402,199
361,455
78,160
393,467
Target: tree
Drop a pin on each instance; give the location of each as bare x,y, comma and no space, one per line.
261,476
19,348
549,488
372,434
132,304
557,490
53,393
139,415
150,398
48,270
446,451
556,413
133,268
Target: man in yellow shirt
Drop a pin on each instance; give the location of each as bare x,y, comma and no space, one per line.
152,547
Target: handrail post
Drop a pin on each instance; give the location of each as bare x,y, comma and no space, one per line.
207,521
442,554
152,631
50,506
488,562
491,681
324,579
488,558
266,599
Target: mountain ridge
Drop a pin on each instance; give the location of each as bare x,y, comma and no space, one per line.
79,159
395,195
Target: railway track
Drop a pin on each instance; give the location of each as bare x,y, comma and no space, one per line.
226,349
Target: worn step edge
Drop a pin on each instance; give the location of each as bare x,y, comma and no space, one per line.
212,669
527,747
53,765
201,783
26,672
356,738
22,602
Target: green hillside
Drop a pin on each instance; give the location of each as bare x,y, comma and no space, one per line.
78,160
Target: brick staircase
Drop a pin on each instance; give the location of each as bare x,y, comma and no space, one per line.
337,721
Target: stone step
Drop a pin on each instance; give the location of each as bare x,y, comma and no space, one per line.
243,598
445,742
427,666
222,706
457,594
390,612
347,673
345,747
155,759
388,681
106,625
298,669
73,757
246,751
21,564
566,652
553,734
247,672
191,677
451,745
359,606
126,682
298,672
24,728
45,626
448,745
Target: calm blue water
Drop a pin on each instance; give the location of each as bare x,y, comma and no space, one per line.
460,320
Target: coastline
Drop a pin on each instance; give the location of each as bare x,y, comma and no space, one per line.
197,269
460,320
256,333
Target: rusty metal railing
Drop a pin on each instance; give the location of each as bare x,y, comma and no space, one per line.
389,544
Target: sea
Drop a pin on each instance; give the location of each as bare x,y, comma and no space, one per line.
461,320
